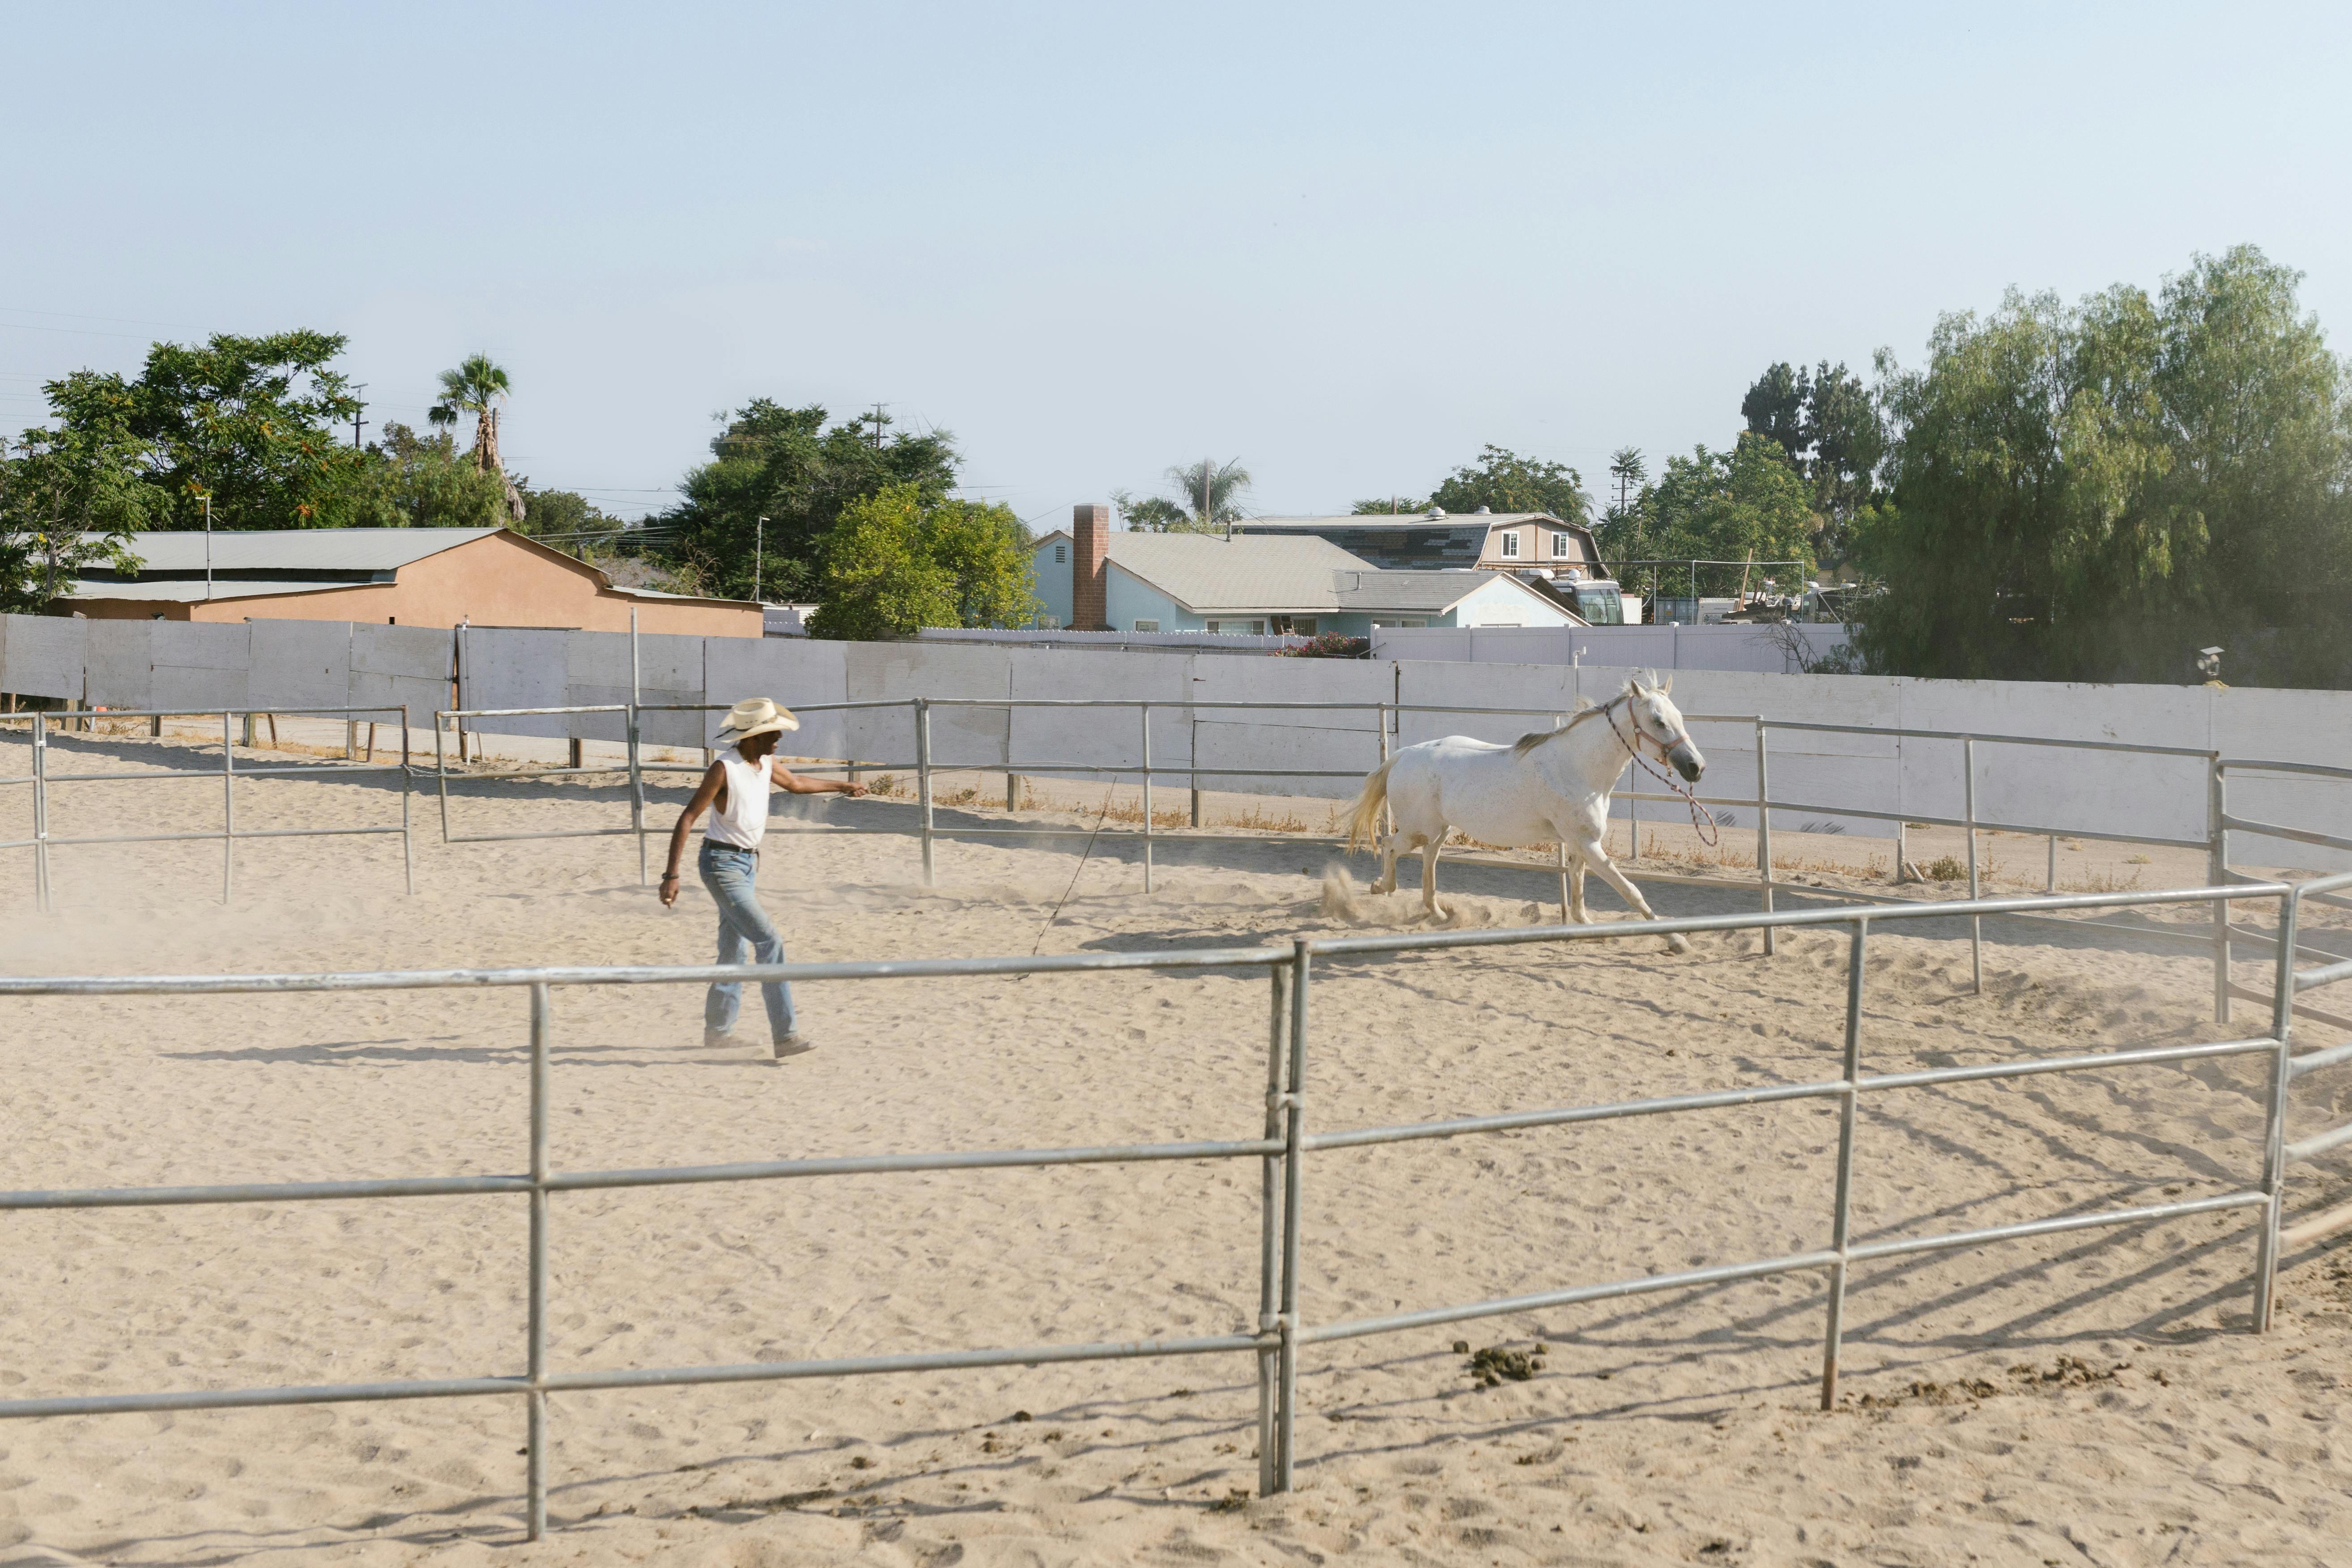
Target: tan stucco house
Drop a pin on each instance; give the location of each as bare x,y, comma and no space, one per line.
401,576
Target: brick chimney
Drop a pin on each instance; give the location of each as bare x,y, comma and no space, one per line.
1090,538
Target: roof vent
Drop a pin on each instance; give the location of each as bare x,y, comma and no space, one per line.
1434,511
1485,511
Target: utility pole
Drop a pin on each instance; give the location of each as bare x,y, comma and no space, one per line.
1208,467
207,499
759,548
356,420
880,419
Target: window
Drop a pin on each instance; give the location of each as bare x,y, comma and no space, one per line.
1511,546
1237,629
1562,547
1147,626
1061,555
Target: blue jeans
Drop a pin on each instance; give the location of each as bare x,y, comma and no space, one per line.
746,935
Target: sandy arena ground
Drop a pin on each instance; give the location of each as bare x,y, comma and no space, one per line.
2088,1398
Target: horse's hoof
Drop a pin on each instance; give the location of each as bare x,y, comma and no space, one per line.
1677,942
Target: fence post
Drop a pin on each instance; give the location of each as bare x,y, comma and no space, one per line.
2049,883
1193,757
1293,1173
1976,922
2274,1121
407,788
1146,710
2217,874
41,811
440,770
228,805
1764,837
1842,1214
636,748
535,1480
1269,1261
922,706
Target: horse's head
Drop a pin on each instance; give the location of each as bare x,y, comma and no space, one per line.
1660,723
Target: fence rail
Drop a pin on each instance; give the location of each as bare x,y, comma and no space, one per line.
1281,1332
43,777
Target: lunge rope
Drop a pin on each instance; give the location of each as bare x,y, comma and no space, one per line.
1671,783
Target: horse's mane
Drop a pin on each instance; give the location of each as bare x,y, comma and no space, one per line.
1528,743
1645,680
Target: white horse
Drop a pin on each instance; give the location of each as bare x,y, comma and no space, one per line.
1552,785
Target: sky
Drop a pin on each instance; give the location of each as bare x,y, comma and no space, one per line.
1348,244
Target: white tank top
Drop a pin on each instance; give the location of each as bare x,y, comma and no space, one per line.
744,816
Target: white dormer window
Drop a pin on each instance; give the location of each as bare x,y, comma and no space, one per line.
1061,555
1511,546
1562,548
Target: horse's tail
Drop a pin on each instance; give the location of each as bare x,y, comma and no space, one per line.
1364,825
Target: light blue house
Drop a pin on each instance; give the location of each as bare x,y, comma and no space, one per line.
1256,583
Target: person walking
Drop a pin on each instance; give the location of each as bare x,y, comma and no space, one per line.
735,791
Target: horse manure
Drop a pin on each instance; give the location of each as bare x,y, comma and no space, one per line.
1022,1416
1490,1367
1462,1347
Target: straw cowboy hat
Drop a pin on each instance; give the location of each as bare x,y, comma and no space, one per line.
757,716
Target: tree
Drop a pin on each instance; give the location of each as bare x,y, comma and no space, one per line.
1502,480
1629,471
248,422
1388,506
2095,492
1748,503
421,481
784,465
895,562
1206,498
477,387
1828,424
568,522
70,499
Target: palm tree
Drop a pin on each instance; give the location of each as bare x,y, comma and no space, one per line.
478,386
1209,496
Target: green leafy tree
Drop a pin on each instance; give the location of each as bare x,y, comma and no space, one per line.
1204,498
1503,480
569,521
786,465
2095,492
1748,503
1388,506
895,562
1827,423
70,499
423,481
249,421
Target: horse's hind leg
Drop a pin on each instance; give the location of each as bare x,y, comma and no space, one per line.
1431,847
1576,909
1607,872
1390,841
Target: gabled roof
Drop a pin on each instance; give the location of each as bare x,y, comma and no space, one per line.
353,550
1260,573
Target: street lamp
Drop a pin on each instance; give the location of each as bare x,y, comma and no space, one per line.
759,545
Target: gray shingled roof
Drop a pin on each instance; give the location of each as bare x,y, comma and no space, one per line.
1400,519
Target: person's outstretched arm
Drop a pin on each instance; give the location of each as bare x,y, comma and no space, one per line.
791,782
704,794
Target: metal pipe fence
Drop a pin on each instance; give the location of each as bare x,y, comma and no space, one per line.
1387,727
1281,1334
43,777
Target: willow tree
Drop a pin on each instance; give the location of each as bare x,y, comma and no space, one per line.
2095,491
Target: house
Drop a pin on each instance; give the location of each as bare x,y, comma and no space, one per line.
1090,577
1495,540
403,577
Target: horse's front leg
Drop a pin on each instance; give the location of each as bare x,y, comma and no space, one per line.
1608,872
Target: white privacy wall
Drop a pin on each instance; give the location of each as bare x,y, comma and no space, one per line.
309,664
